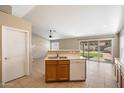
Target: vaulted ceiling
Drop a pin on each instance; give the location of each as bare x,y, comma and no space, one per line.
72,20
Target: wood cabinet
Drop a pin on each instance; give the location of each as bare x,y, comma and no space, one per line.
51,70
115,70
63,70
57,70
118,77
122,77
119,73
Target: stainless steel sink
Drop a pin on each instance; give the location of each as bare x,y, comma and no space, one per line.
52,57
59,57
62,57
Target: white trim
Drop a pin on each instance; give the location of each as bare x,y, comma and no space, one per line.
13,28
27,53
3,65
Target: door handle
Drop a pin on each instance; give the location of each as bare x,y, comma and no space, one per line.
5,58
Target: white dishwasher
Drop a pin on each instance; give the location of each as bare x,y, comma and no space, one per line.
77,69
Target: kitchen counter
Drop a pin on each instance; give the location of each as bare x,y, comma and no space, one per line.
119,72
68,58
64,65
119,61
65,68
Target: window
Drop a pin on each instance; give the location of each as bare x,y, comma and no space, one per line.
55,45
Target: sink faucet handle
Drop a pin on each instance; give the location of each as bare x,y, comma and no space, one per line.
57,55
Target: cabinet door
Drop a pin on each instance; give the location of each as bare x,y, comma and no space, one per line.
122,77
118,77
116,70
122,81
51,68
63,70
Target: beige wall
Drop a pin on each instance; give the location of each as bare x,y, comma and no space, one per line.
40,46
68,44
121,32
116,44
73,43
6,9
11,21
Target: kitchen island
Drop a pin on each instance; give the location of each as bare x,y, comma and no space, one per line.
65,66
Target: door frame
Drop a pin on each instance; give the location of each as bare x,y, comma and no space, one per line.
27,52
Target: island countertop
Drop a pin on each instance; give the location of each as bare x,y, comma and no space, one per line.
65,68
64,65
68,58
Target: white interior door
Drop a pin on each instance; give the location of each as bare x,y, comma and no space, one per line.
15,56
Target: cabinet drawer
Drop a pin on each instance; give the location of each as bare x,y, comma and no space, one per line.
63,62
51,62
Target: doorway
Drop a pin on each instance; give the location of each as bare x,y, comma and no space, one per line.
97,50
15,53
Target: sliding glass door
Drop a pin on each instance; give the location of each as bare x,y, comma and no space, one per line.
93,50
89,50
84,48
105,47
97,50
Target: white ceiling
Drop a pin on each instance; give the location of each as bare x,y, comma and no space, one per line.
73,21
21,10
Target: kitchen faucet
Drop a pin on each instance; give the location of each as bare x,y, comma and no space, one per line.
57,54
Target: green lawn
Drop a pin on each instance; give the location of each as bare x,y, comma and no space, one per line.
91,54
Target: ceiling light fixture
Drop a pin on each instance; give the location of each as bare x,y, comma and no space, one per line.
51,33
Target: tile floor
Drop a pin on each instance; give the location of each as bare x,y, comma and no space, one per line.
99,75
